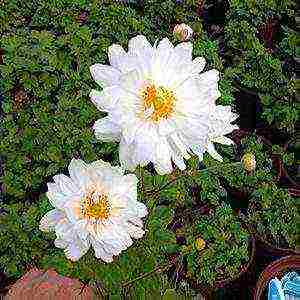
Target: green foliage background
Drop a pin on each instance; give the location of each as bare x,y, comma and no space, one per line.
46,119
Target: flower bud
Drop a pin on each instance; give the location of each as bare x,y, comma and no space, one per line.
183,32
200,244
249,162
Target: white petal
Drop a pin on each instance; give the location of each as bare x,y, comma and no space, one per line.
165,45
179,162
101,253
132,81
66,184
50,219
166,126
106,130
135,231
73,211
181,147
127,64
75,250
115,55
209,76
162,162
198,65
108,98
106,168
105,75
212,151
134,209
141,209
55,196
223,140
60,243
81,228
78,171
126,187
65,230
185,50
125,155
139,45
198,150
136,221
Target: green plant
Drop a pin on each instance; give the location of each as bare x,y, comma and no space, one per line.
46,61
262,49
226,248
273,215
46,118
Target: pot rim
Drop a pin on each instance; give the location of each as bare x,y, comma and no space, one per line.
276,268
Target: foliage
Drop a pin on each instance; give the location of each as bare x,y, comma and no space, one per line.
23,245
262,47
46,118
21,240
231,173
47,60
226,249
274,215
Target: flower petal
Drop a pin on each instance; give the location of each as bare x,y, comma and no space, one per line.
107,99
185,50
66,185
125,155
162,162
105,75
50,219
101,253
139,45
78,171
65,230
115,55
106,130
60,243
223,140
76,249
125,187
212,151
135,231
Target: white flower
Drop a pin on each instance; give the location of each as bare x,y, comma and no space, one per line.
157,101
96,206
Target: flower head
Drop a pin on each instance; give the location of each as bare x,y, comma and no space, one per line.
96,206
158,103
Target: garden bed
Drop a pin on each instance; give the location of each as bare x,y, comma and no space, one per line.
198,214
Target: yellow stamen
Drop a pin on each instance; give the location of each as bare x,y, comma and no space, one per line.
160,99
96,206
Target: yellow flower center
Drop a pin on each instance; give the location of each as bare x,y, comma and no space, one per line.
200,244
160,100
96,206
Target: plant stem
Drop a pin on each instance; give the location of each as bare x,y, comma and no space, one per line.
190,173
156,270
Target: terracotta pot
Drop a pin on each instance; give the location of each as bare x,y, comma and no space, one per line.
275,269
39,285
207,291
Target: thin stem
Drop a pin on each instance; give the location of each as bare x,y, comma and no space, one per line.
189,173
156,270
